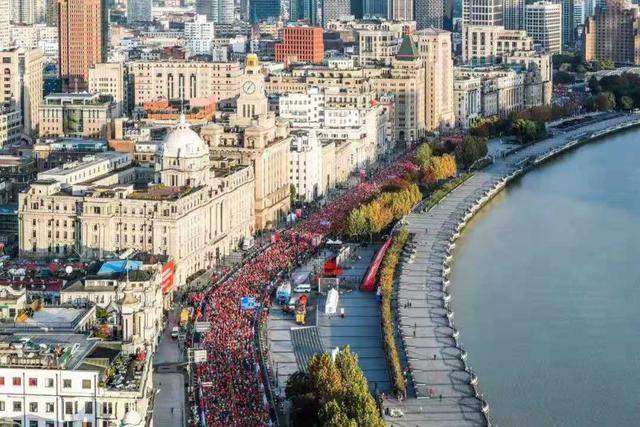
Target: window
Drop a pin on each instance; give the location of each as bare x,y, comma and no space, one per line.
17,406
1,406
86,384
66,383
68,408
50,424
33,423
88,408
33,382
1,380
49,383
33,406
49,408
17,381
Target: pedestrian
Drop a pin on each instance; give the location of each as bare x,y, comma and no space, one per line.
414,333
172,410
434,357
440,397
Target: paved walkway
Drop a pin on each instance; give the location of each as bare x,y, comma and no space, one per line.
360,329
442,390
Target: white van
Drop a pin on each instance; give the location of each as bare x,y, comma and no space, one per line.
302,288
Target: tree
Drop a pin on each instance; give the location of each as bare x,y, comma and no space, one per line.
469,150
297,384
325,377
423,156
626,103
331,415
605,101
357,224
564,77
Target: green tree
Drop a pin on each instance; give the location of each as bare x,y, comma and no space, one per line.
357,224
297,384
563,77
605,101
423,156
325,377
469,150
626,103
331,415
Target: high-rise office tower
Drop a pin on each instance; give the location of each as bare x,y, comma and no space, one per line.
513,14
82,38
447,17
375,8
217,11
612,33
544,25
482,12
261,10
24,11
139,11
568,30
579,13
306,10
402,10
334,9
429,13
356,8
5,28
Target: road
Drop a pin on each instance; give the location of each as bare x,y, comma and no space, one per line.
169,381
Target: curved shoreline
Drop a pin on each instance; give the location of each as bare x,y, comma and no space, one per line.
435,232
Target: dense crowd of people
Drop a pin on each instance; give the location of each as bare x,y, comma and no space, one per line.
231,384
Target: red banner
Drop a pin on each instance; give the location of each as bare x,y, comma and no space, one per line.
369,282
168,271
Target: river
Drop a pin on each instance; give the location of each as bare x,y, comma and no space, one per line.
546,291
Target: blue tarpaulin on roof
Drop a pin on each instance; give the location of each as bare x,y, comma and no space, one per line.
119,266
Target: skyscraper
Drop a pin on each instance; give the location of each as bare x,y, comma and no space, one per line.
217,11
513,13
429,13
402,10
83,36
612,33
261,10
305,10
482,12
5,28
544,25
334,9
24,11
375,8
139,11
568,30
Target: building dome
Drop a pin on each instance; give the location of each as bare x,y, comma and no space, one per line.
183,142
131,419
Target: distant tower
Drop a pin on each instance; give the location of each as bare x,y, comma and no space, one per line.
217,11
482,12
429,13
513,14
83,36
5,29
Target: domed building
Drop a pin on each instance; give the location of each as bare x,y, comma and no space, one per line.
183,159
192,211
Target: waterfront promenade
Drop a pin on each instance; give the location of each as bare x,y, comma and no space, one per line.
442,389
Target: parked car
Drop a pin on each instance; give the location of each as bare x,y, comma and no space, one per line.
175,332
302,288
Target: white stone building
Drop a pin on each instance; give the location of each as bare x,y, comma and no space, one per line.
305,159
199,35
467,97
544,25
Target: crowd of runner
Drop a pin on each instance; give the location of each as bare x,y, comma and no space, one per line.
232,390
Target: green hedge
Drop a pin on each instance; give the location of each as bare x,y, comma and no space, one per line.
386,282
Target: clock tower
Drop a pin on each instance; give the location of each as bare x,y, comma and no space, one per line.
252,101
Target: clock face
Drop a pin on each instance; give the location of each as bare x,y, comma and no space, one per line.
249,88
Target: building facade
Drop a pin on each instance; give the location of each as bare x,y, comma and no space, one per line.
77,114
487,44
23,84
613,33
301,44
110,79
139,11
83,38
482,12
544,25
513,14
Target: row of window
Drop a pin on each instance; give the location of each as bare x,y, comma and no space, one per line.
49,382
70,408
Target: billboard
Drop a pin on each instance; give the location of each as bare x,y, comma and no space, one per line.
168,273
